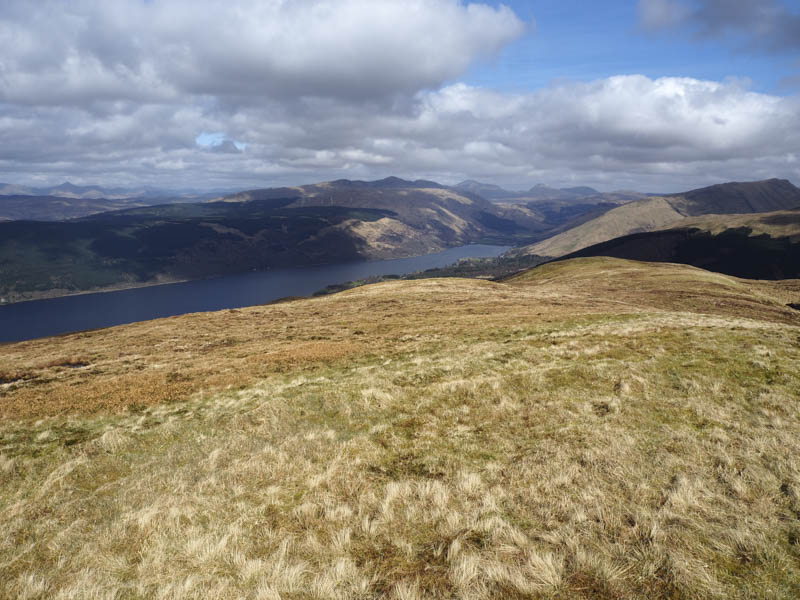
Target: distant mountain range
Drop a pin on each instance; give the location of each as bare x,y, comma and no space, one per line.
68,201
543,193
431,226
347,220
94,192
259,229
58,208
424,216
537,192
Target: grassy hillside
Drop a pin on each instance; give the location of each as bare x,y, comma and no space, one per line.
758,246
669,211
777,224
594,428
643,215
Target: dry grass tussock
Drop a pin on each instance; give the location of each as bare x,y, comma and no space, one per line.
557,436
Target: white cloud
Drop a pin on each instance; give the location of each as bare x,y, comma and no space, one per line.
245,93
56,52
623,131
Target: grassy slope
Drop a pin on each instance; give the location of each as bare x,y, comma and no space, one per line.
642,215
758,246
595,428
777,224
669,211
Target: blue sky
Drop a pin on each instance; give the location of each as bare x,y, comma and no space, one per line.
654,95
571,39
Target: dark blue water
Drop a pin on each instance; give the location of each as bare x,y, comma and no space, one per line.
38,318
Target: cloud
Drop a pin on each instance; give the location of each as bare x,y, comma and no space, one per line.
226,147
658,14
765,24
57,52
624,129
253,93
768,23
629,131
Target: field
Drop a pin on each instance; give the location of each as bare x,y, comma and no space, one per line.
595,428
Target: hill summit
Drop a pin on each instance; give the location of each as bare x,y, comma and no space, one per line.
595,428
738,198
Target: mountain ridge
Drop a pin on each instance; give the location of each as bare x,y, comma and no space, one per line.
259,229
664,211
68,189
753,246
537,192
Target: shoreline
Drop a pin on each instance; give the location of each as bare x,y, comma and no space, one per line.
58,293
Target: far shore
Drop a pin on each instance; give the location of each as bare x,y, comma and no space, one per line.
61,292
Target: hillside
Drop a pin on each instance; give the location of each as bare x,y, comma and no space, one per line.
427,216
169,243
261,229
489,191
738,198
756,246
594,428
668,211
643,215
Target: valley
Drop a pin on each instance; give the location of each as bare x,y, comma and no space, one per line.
317,224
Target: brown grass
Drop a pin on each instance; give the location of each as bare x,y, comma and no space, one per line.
642,215
569,434
170,359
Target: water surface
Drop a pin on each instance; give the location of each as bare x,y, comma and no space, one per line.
38,318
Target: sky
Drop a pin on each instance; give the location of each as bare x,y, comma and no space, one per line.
648,95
